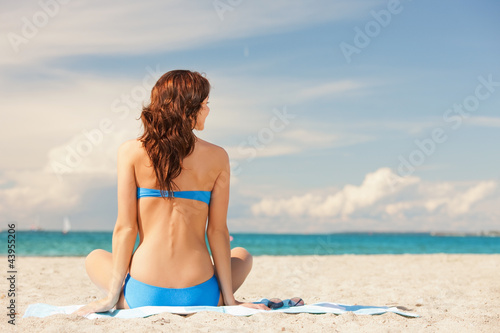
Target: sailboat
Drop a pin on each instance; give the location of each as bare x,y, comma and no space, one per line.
66,225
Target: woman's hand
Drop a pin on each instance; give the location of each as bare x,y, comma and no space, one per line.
101,305
258,306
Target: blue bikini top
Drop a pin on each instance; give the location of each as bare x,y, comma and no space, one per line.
203,196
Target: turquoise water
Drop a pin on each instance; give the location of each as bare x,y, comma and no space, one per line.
46,243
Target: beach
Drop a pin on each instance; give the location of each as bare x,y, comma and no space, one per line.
451,293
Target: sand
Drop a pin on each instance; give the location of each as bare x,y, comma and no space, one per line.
451,293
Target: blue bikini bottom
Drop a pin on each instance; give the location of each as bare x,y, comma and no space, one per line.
139,294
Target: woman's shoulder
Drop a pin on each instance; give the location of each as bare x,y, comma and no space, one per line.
212,149
131,148
132,144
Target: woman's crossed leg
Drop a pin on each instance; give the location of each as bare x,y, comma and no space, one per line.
99,264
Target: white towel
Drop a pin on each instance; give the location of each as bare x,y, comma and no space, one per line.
44,310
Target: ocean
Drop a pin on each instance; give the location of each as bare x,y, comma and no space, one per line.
79,243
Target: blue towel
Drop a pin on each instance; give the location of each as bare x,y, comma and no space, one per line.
44,310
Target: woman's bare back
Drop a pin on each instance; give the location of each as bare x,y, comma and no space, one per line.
172,252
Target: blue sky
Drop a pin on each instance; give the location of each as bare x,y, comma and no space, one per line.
320,140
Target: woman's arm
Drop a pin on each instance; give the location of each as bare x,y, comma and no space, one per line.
217,232
124,233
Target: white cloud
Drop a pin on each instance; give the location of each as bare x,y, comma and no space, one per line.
93,153
311,137
462,202
444,198
38,193
484,121
379,195
329,89
414,127
59,188
102,27
291,141
375,186
63,108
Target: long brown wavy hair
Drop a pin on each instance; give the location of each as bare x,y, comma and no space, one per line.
168,123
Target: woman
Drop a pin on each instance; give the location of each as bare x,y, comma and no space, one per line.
169,183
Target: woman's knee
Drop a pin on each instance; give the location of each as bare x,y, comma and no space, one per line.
242,254
93,257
